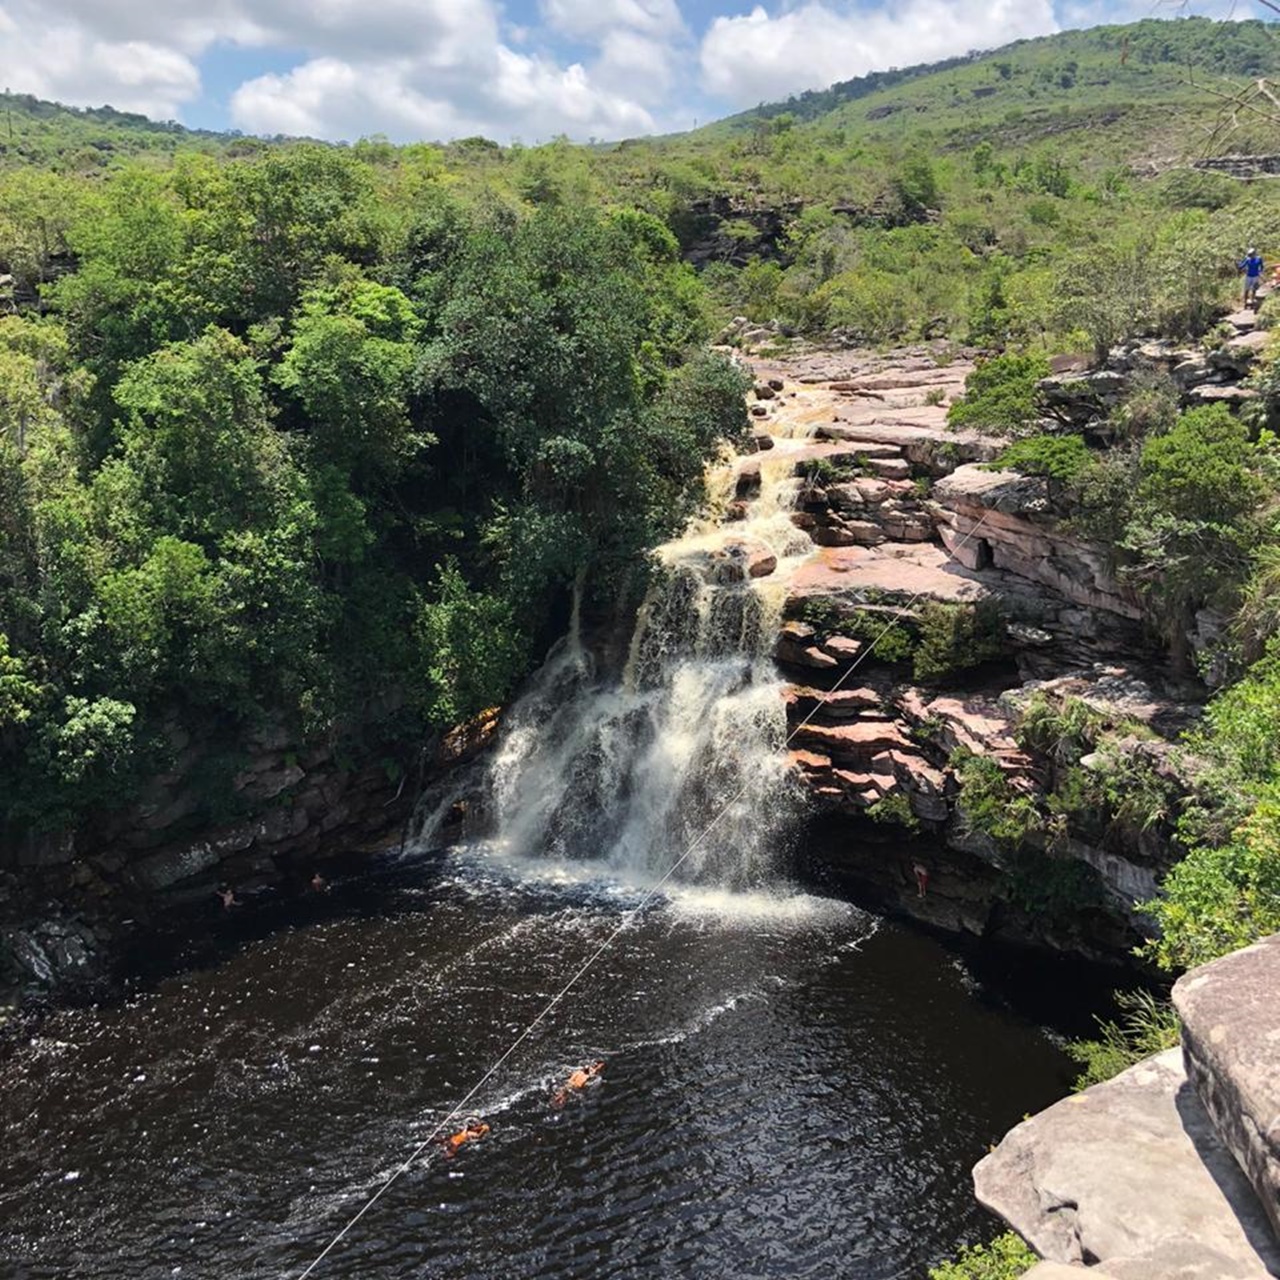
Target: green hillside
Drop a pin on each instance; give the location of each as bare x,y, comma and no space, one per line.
942,198
1059,83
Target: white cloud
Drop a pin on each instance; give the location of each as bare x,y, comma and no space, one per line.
409,68
513,95
597,18
69,63
756,57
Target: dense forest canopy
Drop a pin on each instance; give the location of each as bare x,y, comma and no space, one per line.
300,435
328,433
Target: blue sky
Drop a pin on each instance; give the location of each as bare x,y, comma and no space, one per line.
510,69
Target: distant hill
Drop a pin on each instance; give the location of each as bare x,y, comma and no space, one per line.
34,131
1120,80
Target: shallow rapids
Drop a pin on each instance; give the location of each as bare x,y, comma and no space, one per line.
790,1091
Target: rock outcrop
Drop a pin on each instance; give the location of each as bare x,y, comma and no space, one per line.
906,517
1230,1014
1132,1176
64,898
1169,1171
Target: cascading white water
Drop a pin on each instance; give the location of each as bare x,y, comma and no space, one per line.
631,771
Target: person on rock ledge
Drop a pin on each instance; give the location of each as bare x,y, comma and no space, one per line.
1253,266
922,879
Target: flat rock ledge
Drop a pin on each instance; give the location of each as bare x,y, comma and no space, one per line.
1131,1177
1230,1013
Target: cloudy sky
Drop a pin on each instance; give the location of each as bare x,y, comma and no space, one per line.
509,69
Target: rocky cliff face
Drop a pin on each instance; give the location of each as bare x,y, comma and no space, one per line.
254,814
917,543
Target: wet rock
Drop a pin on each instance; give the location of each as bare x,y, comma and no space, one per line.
1130,1175
50,953
1230,1012
763,391
739,560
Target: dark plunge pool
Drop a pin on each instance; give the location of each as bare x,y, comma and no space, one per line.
793,1088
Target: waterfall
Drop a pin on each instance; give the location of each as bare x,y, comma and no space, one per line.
630,771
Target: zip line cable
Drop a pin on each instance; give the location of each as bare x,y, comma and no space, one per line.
628,919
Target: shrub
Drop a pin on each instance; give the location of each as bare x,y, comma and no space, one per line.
895,811
1218,899
1064,731
1061,460
957,637
1054,889
1149,1026
989,804
1149,408
1000,394
893,640
1006,1258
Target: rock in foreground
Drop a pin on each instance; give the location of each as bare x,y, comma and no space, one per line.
1130,1175
1230,1012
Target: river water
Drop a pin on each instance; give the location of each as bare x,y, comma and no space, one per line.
792,1087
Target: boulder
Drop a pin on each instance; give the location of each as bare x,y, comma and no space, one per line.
1232,397
743,559
795,646
890,468
843,647
1130,1175
1230,1011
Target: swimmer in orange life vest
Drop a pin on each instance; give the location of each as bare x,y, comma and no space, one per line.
472,1131
576,1083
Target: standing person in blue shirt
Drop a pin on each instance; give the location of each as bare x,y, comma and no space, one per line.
1252,266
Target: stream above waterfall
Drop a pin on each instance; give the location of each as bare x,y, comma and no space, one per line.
793,1089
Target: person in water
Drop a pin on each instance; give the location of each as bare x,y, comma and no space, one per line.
472,1131
228,896
576,1083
